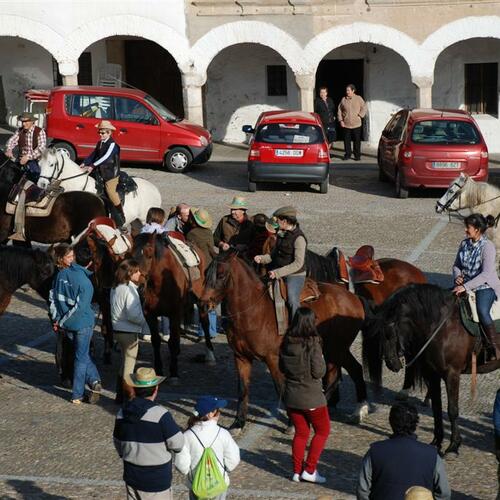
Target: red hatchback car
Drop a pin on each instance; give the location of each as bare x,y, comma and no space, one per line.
146,131
288,146
430,148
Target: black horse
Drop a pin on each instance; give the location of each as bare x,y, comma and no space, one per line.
23,266
422,322
70,214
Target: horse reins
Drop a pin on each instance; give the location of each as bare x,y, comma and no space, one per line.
60,171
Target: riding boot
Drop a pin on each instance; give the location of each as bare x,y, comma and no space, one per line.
493,340
118,215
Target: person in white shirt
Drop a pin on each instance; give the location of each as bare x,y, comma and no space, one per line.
128,321
203,427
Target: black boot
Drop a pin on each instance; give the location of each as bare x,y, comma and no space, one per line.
118,215
493,341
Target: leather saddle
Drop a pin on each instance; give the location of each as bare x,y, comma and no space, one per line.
364,268
310,292
126,184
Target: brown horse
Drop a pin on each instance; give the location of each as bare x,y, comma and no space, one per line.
253,334
69,216
168,292
422,323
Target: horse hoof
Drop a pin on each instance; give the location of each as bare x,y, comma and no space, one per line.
174,381
403,395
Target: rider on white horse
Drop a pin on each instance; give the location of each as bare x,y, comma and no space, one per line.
106,158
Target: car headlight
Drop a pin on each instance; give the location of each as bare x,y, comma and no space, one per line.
203,140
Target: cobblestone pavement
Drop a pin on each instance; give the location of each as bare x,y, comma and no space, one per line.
52,450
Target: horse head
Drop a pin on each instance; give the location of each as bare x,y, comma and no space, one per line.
217,278
391,346
451,199
44,268
51,165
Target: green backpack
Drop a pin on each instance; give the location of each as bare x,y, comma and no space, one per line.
208,480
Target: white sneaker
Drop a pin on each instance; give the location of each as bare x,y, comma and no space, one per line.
312,478
146,338
165,337
296,477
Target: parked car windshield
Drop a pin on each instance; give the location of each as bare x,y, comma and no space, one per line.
289,133
161,109
445,132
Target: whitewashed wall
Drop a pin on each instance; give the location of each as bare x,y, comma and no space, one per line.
449,82
236,90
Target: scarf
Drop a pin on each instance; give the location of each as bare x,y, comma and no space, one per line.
471,259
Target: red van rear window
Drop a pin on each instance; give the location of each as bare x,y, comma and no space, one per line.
289,133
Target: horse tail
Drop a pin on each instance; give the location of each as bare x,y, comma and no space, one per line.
371,330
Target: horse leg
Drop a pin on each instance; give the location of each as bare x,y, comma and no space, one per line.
244,368
408,383
355,371
434,385
174,347
331,384
107,326
152,322
452,390
205,324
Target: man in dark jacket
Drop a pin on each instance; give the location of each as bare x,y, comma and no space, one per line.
324,106
393,466
145,437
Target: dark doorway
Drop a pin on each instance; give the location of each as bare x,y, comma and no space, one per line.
151,68
336,74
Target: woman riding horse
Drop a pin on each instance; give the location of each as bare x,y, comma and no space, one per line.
475,270
288,257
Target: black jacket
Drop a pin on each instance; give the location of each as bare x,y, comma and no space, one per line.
105,157
325,110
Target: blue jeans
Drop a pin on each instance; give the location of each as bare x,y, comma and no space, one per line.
212,322
484,300
294,286
85,370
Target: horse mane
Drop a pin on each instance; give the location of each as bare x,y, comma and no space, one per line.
160,243
475,193
10,173
412,312
322,268
16,265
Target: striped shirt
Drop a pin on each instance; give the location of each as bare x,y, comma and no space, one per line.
33,154
145,437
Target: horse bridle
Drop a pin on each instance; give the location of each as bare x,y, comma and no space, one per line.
59,170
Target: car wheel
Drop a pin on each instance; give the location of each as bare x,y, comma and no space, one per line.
323,187
252,186
401,191
66,148
178,160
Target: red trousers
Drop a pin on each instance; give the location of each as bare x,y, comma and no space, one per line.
302,420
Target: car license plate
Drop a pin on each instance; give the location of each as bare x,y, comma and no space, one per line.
445,164
294,153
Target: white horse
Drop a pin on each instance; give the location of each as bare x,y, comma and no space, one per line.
465,193
56,165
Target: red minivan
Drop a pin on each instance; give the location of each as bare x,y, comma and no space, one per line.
146,131
288,146
431,148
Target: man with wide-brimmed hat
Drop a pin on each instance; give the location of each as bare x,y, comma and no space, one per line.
27,145
145,437
235,230
201,235
287,259
106,159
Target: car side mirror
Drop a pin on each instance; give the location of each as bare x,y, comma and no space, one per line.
248,129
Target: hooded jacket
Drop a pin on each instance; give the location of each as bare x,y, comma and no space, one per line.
145,437
302,363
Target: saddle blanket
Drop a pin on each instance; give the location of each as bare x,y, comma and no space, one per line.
470,319
38,203
116,240
495,308
190,257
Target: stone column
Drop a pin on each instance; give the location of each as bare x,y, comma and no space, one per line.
424,92
192,84
69,72
306,83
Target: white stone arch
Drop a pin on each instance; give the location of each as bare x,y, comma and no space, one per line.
378,34
165,36
33,31
226,35
459,31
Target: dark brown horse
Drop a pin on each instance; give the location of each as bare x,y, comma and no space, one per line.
168,292
422,323
23,266
253,333
69,216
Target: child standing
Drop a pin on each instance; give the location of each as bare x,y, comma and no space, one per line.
203,432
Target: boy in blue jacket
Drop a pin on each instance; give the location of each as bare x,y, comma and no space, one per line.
71,309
